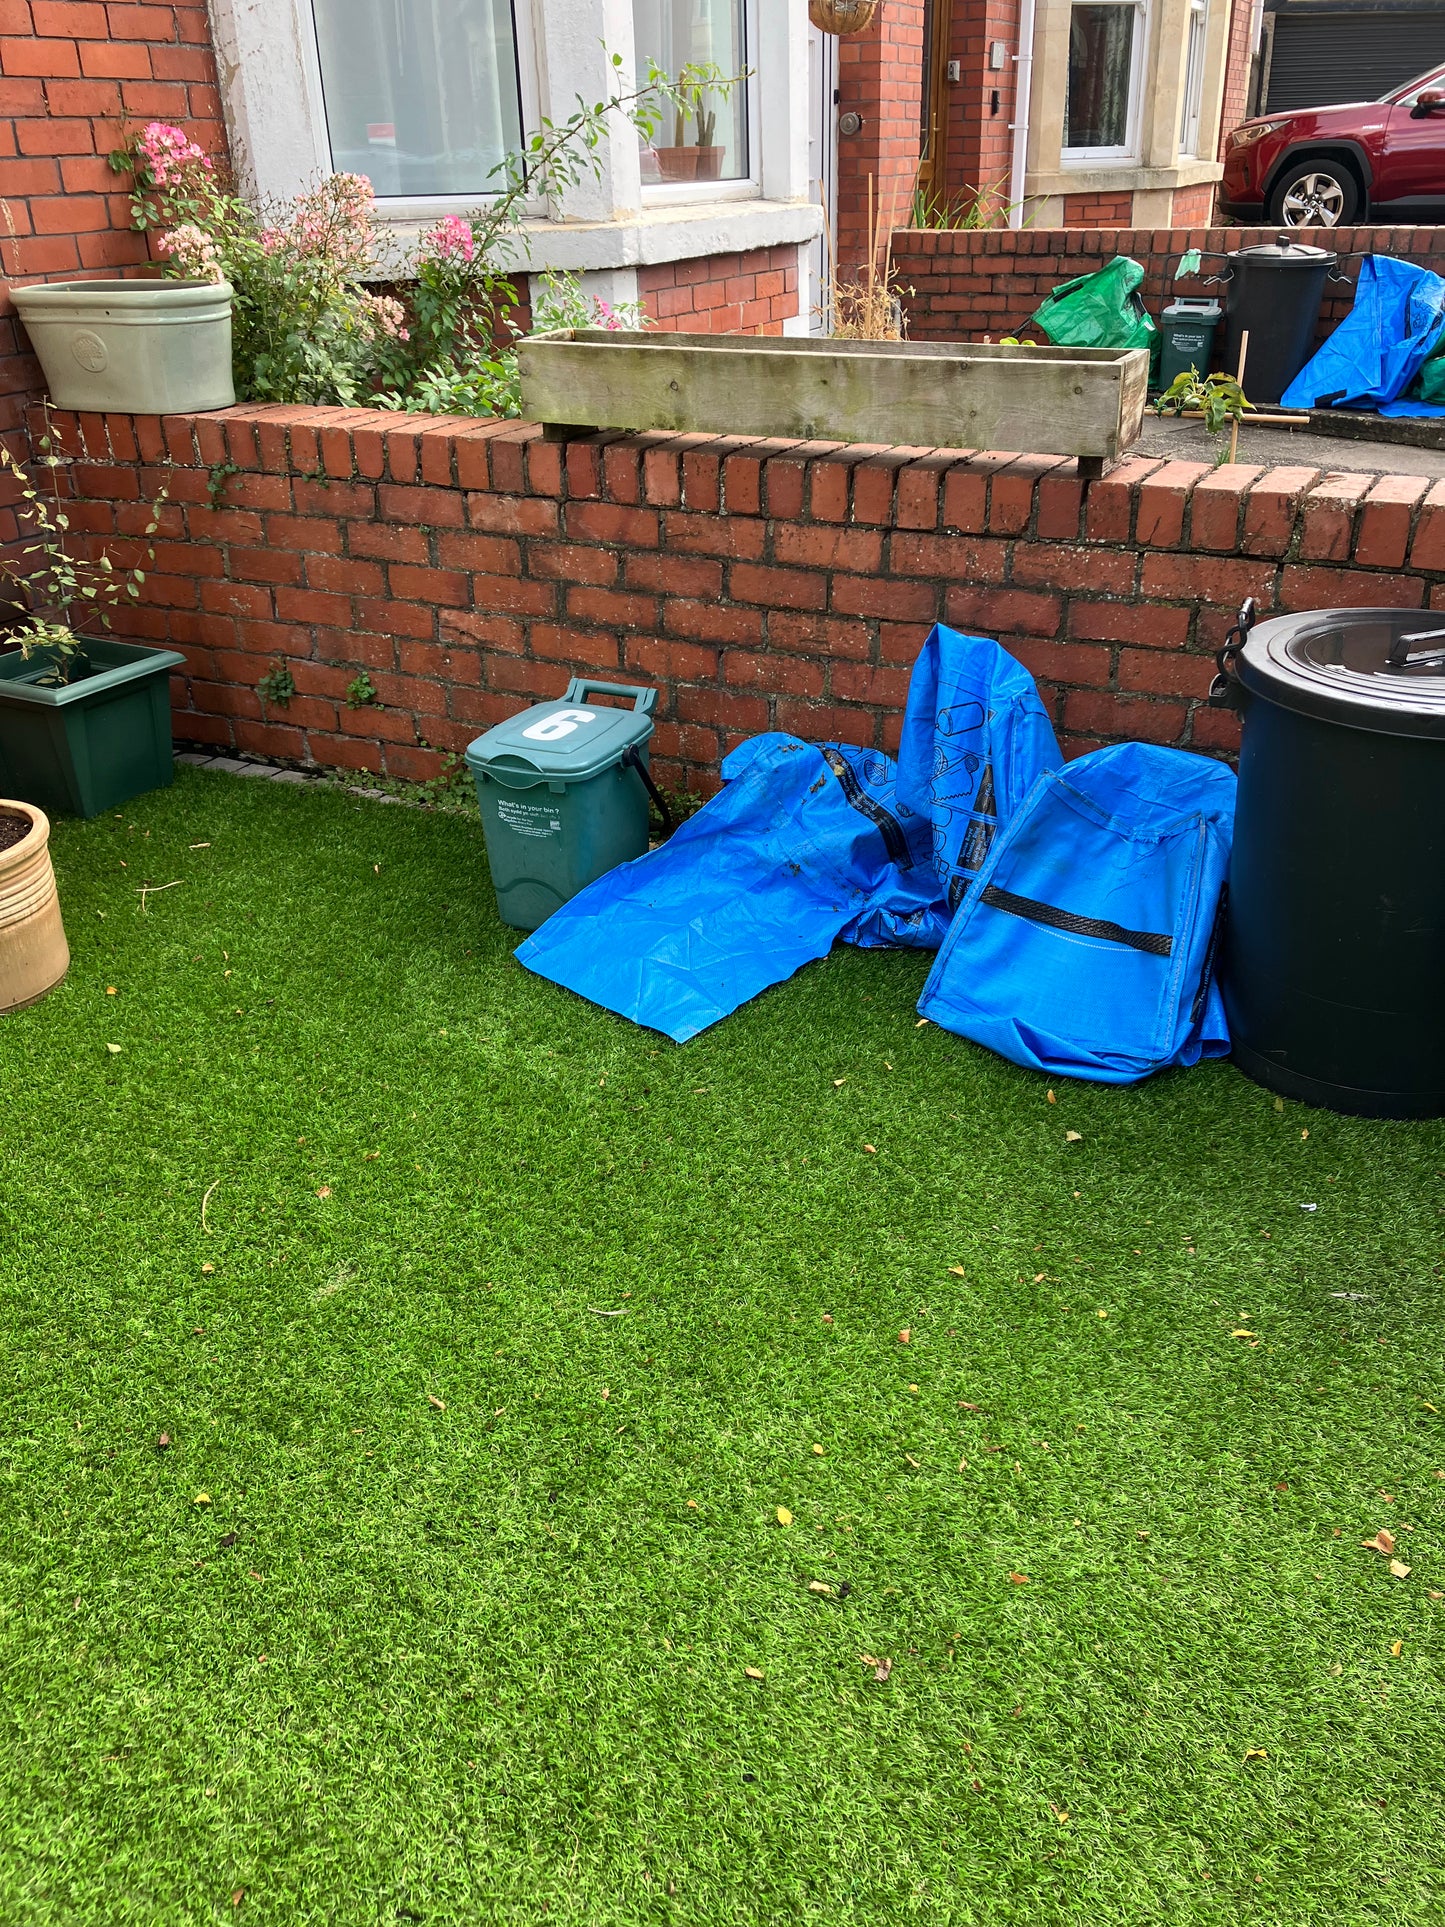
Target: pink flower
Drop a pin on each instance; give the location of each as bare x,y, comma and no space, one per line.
193,251
452,237
386,315
166,150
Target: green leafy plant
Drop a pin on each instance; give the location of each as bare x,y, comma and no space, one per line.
1219,399
66,593
277,685
307,328
974,207
360,691
217,477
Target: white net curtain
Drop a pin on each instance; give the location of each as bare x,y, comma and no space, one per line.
712,141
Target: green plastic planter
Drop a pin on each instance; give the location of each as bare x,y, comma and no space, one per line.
90,744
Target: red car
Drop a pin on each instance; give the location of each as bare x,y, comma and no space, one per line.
1333,166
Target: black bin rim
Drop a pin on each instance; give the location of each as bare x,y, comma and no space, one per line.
1332,664
1284,254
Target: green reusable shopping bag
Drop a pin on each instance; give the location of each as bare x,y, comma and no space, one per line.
1103,310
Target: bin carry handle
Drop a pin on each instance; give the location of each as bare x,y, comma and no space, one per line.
581,687
1223,690
631,759
1399,656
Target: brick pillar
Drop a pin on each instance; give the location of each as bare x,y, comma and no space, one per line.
880,76
979,141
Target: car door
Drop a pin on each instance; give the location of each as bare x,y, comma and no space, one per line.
1412,158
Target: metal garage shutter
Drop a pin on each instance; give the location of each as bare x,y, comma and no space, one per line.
1319,60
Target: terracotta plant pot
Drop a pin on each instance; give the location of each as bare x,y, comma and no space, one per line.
842,16
34,955
677,163
710,163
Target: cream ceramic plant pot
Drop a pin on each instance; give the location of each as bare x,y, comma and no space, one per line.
34,955
132,347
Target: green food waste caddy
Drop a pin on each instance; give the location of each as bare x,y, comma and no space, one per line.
563,789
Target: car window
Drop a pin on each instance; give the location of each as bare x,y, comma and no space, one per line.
1407,95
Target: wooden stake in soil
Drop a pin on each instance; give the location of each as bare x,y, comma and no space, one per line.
1239,377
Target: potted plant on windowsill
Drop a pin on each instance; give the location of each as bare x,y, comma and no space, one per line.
85,721
34,955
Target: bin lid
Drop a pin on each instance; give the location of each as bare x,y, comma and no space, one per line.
563,741
1283,254
1372,669
1190,308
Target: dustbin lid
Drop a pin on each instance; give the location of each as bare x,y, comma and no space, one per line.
565,740
1372,669
1283,254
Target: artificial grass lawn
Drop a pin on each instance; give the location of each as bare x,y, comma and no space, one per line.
487,1663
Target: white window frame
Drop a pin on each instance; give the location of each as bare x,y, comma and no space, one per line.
1196,62
749,188
1129,152
418,207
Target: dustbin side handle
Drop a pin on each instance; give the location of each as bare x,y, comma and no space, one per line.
581,687
632,760
1222,690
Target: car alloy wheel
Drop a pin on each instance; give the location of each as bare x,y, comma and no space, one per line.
1314,200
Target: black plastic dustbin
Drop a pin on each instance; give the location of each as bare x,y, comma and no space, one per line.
1334,958
1274,294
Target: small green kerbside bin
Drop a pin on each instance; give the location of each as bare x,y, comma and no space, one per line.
1186,331
563,789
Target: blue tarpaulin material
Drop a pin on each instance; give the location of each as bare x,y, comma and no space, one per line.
806,844
1380,346
1086,946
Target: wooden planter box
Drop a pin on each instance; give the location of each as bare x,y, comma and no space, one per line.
1087,402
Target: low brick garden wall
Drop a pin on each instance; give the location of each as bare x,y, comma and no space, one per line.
962,284
471,568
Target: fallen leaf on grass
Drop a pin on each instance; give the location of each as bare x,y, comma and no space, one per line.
1242,1331
816,1585
692,1505
751,1672
1073,1137
238,1896
1020,1578
437,1405
1429,1407
1397,1648
324,1192
163,1443
207,1270
915,1463
114,1049
964,1406
906,1335
1383,1543
839,1082
110,990
817,1451
229,1538
1431,1592
1052,1098
1061,1814
201,1498
785,1518
871,1149
959,1272
881,1670
1399,1568
1257,1753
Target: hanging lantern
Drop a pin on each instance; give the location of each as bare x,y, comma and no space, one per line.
842,16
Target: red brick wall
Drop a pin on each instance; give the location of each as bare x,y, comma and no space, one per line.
1193,206
1236,69
70,72
761,585
980,146
1099,210
752,293
970,284
880,76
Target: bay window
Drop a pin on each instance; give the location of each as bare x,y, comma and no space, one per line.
1106,43
422,96
709,139
1193,77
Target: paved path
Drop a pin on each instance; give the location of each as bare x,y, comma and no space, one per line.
1190,442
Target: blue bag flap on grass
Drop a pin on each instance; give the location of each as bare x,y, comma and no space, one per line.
1087,946
1382,343
976,736
802,842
